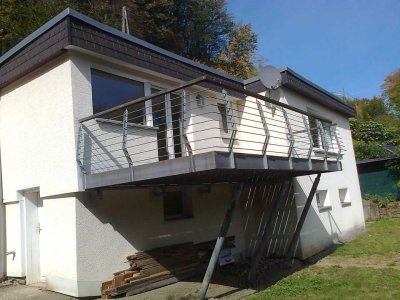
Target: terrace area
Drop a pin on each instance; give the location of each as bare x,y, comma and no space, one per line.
203,131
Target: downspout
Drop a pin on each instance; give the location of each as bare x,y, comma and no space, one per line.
2,227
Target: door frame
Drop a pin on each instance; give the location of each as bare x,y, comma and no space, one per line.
30,243
169,135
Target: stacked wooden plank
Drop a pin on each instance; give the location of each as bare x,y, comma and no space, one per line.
153,269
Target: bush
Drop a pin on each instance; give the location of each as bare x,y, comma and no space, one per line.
381,201
369,150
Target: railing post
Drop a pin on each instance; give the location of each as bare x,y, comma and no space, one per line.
231,125
290,137
310,148
184,129
323,141
267,134
124,143
339,153
78,150
339,146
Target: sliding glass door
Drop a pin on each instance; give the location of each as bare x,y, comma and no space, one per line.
167,116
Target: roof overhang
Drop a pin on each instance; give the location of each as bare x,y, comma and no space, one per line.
72,29
302,86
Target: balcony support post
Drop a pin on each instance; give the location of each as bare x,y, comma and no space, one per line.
267,134
290,137
124,143
310,140
184,127
300,223
231,125
220,240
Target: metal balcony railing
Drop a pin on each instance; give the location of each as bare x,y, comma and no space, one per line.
191,119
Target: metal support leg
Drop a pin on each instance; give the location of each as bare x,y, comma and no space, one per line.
339,148
322,134
267,134
231,125
290,137
220,241
310,147
303,216
184,130
267,232
124,143
78,150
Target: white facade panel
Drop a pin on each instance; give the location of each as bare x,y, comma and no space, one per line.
337,222
37,133
14,241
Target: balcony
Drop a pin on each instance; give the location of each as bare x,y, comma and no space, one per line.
204,132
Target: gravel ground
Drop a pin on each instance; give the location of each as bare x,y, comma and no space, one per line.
23,292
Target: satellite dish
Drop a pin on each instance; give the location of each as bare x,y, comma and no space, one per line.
270,77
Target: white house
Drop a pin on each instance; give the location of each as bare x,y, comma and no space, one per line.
89,177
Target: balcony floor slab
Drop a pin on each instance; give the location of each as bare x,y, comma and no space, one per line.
210,167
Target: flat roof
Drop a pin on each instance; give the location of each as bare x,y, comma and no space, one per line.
115,32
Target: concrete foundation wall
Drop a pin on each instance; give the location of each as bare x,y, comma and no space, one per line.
114,224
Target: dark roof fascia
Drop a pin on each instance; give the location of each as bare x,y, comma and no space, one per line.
70,12
34,35
374,160
343,107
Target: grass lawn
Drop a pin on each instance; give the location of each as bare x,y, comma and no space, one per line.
365,268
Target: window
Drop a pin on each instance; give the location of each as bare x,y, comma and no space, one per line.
344,196
312,123
318,140
160,121
109,90
176,205
322,199
224,117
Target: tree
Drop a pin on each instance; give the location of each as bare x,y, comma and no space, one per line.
237,58
198,29
369,150
391,88
370,137
368,109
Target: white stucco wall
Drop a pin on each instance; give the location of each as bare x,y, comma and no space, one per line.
37,133
60,247
14,240
340,222
115,224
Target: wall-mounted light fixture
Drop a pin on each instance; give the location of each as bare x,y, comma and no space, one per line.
200,100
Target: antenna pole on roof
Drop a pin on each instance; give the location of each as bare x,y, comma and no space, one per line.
125,24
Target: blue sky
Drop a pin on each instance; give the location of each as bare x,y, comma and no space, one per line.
338,44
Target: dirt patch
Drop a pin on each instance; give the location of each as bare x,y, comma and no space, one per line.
373,261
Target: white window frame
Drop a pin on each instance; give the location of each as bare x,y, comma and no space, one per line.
322,199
